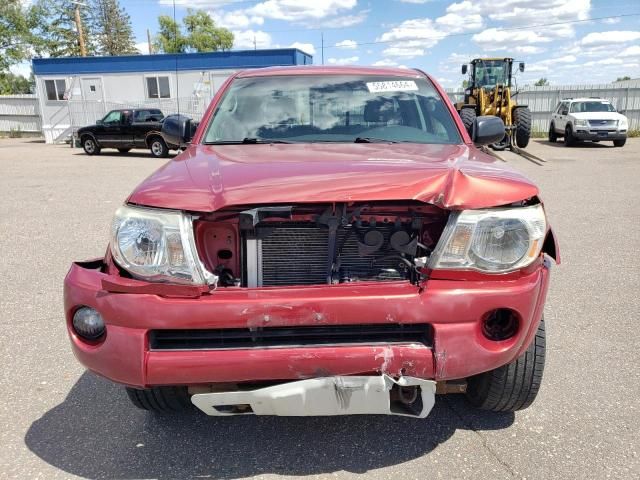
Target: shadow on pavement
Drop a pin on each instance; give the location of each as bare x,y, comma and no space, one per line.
97,433
560,144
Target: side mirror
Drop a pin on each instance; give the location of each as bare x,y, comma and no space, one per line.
564,112
464,69
487,130
178,129
99,122
521,67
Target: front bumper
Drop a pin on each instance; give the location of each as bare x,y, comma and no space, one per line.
586,133
454,309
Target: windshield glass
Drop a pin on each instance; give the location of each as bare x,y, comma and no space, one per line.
580,107
332,108
489,73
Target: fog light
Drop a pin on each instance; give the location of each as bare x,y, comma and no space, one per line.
88,323
500,324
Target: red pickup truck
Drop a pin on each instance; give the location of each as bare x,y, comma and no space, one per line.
331,242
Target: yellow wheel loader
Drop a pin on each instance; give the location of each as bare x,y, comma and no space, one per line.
489,93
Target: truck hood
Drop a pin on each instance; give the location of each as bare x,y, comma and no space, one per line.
205,178
599,116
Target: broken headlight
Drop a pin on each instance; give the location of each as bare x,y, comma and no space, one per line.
156,245
493,240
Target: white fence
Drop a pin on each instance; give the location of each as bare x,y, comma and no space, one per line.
625,96
20,112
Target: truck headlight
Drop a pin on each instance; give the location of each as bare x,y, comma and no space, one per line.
622,124
156,245
493,240
581,123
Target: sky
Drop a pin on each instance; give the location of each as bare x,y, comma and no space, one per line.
565,41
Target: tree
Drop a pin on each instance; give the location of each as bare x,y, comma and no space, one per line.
19,28
61,34
542,82
201,34
465,83
622,79
169,38
110,26
11,84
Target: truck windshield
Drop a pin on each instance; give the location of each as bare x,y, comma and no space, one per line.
580,107
332,108
489,73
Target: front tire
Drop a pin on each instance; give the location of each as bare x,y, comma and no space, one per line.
160,399
522,121
158,148
553,136
569,140
468,117
513,386
619,143
90,146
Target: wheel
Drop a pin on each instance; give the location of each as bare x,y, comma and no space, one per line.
123,150
619,143
468,116
513,386
158,147
160,399
501,145
553,136
569,140
90,146
522,121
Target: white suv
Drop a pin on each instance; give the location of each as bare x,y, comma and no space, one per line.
592,119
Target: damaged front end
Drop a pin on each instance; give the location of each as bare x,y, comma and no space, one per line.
291,245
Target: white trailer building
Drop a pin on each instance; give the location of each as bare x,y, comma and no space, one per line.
76,91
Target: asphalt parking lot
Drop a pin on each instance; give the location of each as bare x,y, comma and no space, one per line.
57,421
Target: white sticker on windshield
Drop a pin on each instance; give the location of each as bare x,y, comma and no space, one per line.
392,86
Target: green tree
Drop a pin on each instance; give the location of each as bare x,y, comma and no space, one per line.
11,84
20,25
169,38
622,79
542,82
465,83
110,26
60,34
200,34
203,35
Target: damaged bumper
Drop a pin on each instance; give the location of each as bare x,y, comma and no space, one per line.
339,395
454,310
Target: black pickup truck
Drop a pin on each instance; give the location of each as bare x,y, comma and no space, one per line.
126,129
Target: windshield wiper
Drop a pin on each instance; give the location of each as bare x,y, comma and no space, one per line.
247,141
372,140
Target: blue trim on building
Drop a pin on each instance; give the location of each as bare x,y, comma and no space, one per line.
171,62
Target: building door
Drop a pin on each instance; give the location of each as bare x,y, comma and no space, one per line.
92,99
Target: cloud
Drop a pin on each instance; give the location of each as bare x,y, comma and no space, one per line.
609,38
347,44
305,47
415,1
565,61
300,10
611,21
633,51
343,61
143,47
385,62
244,39
455,23
235,19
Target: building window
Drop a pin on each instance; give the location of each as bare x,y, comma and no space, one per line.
55,89
158,87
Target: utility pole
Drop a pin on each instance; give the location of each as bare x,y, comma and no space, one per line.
322,45
255,45
83,50
149,42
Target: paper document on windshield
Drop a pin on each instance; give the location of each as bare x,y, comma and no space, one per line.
392,86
